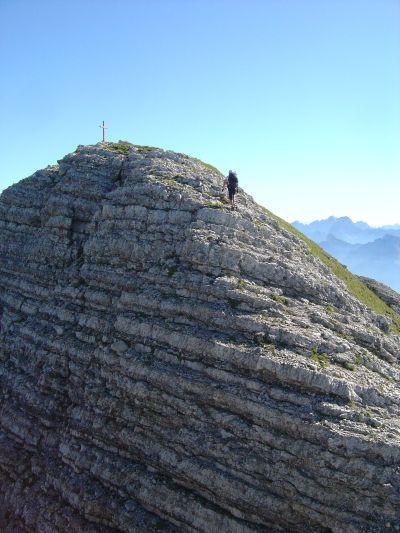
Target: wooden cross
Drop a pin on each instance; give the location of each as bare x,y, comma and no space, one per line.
104,127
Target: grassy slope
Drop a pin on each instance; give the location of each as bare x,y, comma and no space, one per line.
355,286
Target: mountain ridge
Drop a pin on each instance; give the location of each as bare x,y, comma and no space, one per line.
169,364
357,232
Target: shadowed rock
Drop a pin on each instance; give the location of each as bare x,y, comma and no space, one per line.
167,364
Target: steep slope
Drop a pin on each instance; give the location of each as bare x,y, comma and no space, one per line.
167,364
388,295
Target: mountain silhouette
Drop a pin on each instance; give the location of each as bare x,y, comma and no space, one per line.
343,228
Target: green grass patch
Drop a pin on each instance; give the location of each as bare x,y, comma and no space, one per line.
170,182
145,148
122,147
349,366
321,358
354,406
354,285
279,299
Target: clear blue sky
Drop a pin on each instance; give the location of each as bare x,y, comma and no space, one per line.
301,97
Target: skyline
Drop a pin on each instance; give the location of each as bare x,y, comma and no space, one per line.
301,99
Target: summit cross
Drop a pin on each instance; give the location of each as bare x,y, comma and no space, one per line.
103,127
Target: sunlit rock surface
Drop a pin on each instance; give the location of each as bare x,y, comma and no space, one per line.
167,364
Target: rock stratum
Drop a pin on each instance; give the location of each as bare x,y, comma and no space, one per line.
167,364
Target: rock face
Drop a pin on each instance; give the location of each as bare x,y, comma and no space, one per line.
167,364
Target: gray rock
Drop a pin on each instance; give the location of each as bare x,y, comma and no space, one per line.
167,364
119,346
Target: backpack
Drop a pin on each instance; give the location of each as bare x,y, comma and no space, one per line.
233,181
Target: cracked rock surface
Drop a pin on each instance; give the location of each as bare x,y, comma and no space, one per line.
167,364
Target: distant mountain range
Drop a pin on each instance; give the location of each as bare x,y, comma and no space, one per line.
345,229
366,251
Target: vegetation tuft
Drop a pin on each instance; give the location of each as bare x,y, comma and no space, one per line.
321,358
122,147
355,286
170,182
279,299
145,148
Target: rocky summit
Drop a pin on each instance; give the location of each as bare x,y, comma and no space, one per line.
167,364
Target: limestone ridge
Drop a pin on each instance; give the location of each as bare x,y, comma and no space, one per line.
167,364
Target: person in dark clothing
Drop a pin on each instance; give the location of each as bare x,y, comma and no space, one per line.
231,182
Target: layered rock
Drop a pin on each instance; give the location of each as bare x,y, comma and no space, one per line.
167,364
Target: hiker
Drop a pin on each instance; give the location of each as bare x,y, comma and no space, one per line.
231,182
